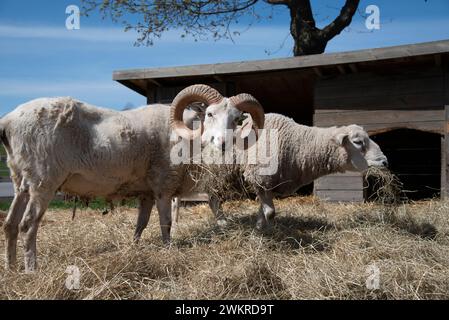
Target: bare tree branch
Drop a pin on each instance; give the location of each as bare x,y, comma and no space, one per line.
342,21
201,19
305,12
277,2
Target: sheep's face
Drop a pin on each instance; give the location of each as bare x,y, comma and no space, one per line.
362,151
220,122
220,119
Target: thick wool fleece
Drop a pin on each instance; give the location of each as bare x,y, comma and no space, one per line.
62,143
305,154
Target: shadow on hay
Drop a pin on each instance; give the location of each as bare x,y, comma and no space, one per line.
401,221
288,232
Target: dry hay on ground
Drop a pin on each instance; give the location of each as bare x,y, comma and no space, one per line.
316,251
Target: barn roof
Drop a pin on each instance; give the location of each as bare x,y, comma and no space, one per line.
140,79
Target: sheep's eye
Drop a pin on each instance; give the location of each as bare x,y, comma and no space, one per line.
358,142
209,114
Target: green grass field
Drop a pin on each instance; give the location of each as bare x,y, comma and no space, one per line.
95,204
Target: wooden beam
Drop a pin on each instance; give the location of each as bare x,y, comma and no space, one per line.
341,68
445,136
310,61
134,87
353,68
378,121
195,197
218,78
318,72
154,82
445,157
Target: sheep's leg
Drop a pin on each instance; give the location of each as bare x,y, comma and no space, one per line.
215,206
174,214
266,211
29,226
175,209
145,207
11,226
164,208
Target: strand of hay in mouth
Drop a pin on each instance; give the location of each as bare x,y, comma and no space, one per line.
387,187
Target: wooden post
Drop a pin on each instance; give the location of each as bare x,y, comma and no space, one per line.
445,137
445,156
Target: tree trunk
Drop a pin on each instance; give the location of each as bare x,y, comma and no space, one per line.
307,37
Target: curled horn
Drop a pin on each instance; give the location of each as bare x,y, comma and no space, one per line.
247,103
195,93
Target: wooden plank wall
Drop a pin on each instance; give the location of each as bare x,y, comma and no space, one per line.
376,121
411,99
384,90
380,101
340,187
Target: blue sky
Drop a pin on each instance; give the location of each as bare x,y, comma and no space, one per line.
40,57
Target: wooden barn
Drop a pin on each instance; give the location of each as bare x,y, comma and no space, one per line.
400,95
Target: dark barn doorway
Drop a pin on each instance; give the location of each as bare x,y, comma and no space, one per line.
415,157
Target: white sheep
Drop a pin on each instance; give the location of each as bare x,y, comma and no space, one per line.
64,144
305,154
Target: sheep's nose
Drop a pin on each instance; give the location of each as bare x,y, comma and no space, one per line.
385,163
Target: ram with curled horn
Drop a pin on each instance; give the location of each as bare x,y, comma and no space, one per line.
221,114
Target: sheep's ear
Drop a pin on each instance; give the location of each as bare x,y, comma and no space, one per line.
341,137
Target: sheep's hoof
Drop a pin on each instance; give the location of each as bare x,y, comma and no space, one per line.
264,225
136,240
166,242
12,267
30,269
260,225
